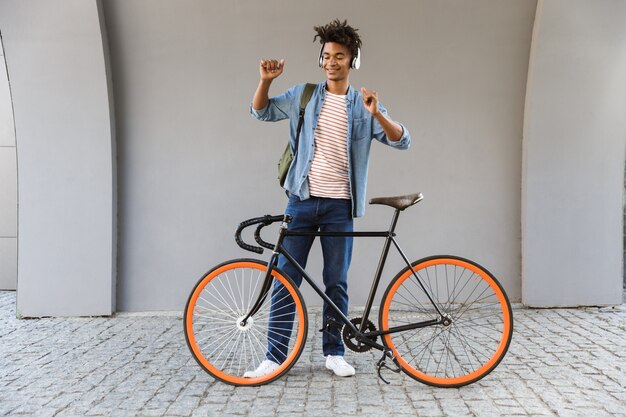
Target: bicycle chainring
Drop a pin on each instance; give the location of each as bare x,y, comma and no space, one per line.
349,338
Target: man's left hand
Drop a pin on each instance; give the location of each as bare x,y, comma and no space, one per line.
370,101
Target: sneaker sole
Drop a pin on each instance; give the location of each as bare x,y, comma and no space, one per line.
340,374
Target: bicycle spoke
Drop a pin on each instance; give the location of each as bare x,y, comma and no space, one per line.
244,355
253,291
481,333
264,347
469,360
455,289
221,297
443,351
213,334
216,307
234,347
471,346
230,292
226,341
239,293
419,290
467,306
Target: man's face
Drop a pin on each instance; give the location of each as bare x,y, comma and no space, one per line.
336,61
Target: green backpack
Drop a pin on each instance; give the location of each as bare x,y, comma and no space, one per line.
287,157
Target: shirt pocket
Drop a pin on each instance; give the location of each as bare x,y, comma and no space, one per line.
361,129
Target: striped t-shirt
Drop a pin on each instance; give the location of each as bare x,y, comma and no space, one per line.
328,176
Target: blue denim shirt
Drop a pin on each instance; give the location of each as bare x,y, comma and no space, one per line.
362,128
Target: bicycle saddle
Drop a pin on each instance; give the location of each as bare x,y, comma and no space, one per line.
400,202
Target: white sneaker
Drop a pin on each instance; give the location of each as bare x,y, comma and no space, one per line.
266,367
339,366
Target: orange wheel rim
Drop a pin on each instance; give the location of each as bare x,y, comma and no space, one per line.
499,351
196,349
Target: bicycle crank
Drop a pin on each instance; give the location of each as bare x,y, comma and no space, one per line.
349,338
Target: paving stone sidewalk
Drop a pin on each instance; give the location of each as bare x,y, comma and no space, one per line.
562,362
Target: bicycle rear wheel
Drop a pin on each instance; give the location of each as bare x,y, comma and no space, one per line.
480,329
219,342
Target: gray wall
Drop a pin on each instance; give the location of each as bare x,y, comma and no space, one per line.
575,129
193,163
63,128
8,184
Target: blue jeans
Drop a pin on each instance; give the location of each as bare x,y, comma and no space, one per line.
313,214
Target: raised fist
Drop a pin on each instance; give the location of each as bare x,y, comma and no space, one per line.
271,68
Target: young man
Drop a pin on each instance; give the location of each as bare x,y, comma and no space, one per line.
327,179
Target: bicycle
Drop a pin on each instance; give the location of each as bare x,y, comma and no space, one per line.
444,320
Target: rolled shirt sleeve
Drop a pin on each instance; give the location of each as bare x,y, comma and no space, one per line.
278,108
379,134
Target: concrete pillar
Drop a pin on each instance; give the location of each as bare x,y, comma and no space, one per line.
57,68
8,185
574,135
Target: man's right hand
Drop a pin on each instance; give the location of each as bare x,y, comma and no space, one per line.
271,68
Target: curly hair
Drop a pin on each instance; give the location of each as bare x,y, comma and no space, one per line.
341,33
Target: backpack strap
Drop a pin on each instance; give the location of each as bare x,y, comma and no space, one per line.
306,95
304,100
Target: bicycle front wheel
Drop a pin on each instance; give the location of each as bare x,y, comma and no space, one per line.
478,332
222,344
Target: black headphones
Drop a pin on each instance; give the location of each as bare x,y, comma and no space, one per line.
354,64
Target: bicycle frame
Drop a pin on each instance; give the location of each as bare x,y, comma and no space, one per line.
389,236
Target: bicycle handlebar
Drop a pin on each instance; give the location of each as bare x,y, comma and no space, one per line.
262,222
259,240
240,242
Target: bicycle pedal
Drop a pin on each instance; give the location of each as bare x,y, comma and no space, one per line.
328,332
331,323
